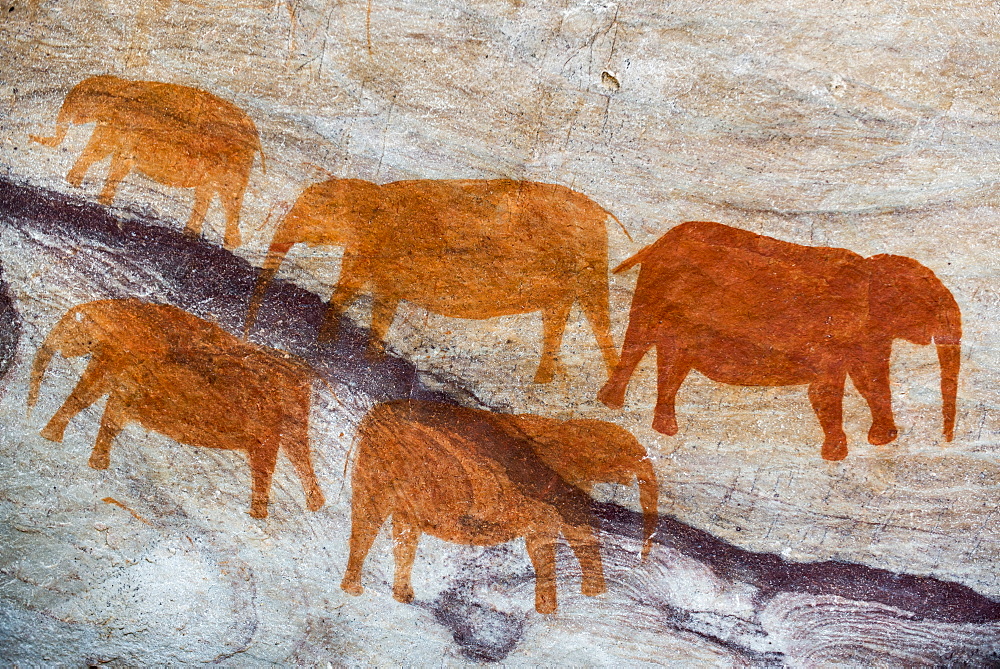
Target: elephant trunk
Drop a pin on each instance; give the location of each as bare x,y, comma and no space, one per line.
93,99
260,150
948,340
275,256
62,126
950,357
648,499
40,365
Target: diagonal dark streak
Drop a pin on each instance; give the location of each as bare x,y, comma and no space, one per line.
213,283
10,329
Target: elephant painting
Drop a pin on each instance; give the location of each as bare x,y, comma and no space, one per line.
750,310
476,477
187,379
463,249
176,135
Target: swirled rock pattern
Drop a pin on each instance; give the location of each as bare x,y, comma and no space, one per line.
154,557
860,126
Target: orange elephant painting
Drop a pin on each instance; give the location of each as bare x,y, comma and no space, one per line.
188,379
477,477
176,135
746,309
463,249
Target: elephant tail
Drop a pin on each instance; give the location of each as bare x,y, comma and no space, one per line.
644,253
637,259
55,140
648,500
248,130
620,225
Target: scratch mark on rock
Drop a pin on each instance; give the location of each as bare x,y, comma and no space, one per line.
112,500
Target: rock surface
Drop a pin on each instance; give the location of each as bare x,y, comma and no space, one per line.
871,128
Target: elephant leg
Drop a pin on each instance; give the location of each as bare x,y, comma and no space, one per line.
405,535
232,202
90,388
112,423
671,370
121,165
263,457
553,325
612,395
383,311
827,398
345,293
369,509
202,199
872,381
594,302
585,545
296,446
100,146
542,551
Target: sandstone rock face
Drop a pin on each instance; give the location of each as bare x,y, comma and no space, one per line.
854,126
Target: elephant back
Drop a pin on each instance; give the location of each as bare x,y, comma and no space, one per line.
144,336
478,249
719,282
185,116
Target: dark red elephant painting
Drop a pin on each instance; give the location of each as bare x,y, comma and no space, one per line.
746,309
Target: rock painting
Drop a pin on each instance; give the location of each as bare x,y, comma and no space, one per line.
674,580
176,135
464,249
413,303
750,310
477,477
188,379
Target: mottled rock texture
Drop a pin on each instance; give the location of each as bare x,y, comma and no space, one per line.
870,127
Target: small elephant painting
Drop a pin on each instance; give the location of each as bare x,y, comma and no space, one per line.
187,379
176,135
459,248
750,310
477,477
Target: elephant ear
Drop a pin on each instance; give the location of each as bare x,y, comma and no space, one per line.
354,201
908,301
367,198
555,442
582,451
337,212
482,487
